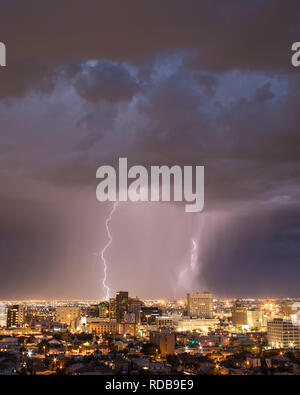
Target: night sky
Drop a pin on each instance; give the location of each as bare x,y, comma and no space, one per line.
160,82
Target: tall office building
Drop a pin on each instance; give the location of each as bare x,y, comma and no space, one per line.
15,316
112,309
200,305
239,314
283,333
135,306
121,305
3,315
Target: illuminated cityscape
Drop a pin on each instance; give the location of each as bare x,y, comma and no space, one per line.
149,191
201,335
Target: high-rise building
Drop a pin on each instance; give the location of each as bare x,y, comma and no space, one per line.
68,314
112,313
283,333
121,305
3,315
15,316
239,314
200,305
135,306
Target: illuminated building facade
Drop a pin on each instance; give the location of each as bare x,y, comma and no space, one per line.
127,329
15,316
112,313
283,333
164,322
239,314
103,309
256,319
103,327
196,324
200,305
67,314
135,306
121,305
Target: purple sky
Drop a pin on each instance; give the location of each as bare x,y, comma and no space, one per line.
195,83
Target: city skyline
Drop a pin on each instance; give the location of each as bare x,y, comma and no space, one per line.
127,335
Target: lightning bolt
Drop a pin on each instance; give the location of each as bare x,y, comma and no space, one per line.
193,255
102,253
190,266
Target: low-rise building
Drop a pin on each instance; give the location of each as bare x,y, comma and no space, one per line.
164,322
103,327
165,342
194,324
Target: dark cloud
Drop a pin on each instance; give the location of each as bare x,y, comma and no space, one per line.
256,35
106,81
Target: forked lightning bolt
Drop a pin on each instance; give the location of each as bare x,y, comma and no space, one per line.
110,239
